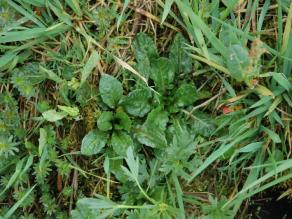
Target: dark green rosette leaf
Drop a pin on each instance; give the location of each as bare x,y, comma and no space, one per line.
111,90
178,55
104,122
137,102
93,142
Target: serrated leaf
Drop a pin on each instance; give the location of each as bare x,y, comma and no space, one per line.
53,115
26,78
120,142
123,121
178,56
137,102
162,73
111,90
104,122
132,163
185,95
93,142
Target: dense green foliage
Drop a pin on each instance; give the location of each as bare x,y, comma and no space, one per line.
143,109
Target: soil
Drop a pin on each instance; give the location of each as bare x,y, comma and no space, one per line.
266,206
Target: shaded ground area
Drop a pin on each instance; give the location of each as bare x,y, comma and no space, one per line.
266,206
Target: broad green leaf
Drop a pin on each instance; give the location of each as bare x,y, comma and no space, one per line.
237,62
122,121
162,73
93,142
53,115
151,137
90,65
178,55
120,142
202,124
185,95
157,119
137,103
111,90
104,122
144,47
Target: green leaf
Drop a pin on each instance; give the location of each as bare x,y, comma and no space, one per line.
178,56
252,147
123,121
90,65
120,142
42,141
157,119
162,73
71,111
166,9
185,95
202,124
75,6
151,137
273,135
132,163
144,47
53,115
93,142
11,211
104,122
282,80
51,75
61,14
237,61
26,78
137,102
111,90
